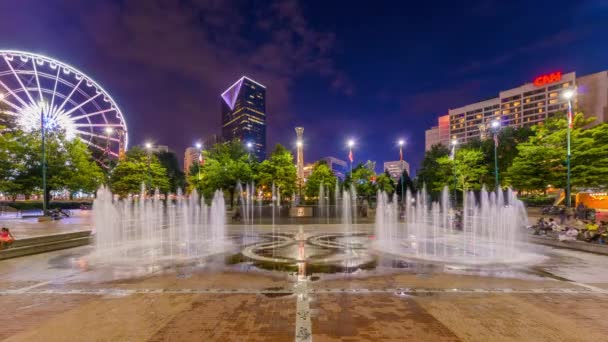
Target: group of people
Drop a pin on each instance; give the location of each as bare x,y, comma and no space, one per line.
580,229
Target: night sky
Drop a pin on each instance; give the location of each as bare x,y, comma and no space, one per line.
375,71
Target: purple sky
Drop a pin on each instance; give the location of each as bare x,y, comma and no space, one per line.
376,72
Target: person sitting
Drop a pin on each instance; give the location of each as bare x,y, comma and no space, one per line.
591,232
570,234
6,238
552,225
540,226
603,233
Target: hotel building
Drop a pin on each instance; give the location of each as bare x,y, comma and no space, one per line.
244,114
528,105
439,134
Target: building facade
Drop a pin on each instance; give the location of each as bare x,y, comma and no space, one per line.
439,134
338,166
531,103
191,156
244,115
396,168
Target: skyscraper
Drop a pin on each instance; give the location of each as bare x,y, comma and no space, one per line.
244,115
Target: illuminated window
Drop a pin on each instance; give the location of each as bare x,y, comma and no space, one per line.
552,101
507,105
506,111
478,116
528,100
540,104
552,94
516,104
496,112
540,110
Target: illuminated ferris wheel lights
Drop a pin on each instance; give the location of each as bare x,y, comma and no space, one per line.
59,100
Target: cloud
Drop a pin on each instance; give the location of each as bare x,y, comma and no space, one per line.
171,59
559,39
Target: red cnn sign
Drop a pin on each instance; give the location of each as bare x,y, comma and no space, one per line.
548,78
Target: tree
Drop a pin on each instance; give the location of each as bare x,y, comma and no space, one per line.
542,160
362,178
280,170
139,167
69,164
225,165
385,183
407,184
429,172
469,168
321,175
177,179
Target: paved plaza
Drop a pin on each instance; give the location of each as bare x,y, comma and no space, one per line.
58,296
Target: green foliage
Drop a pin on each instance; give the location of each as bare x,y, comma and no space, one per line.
542,160
429,172
468,166
177,179
225,164
280,169
69,164
321,174
407,184
385,183
362,179
139,167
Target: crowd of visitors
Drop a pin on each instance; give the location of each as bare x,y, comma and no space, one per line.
578,225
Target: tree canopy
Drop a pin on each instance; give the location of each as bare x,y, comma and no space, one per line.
280,169
321,174
138,167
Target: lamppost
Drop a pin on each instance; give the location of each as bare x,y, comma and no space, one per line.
350,144
199,146
149,149
568,94
401,143
454,144
249,147
495,130
43,132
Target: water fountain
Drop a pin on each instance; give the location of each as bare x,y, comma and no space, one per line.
149,230
486,232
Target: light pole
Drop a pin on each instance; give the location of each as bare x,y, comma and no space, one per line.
495,130
149,149
351,158
568,94
199,146
401,143
454,144
249,147
43,132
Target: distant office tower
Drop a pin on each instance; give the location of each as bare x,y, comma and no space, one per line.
337,166
300,155
211,140
395,168
191,156
244,115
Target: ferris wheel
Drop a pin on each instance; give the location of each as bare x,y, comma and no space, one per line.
37,90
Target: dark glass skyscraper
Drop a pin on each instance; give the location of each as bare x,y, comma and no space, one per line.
244,115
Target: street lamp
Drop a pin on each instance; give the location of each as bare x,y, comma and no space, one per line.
249,147
350,144
43,133
454,143
299,143
149,149
401,142
199,146
495,129
568,95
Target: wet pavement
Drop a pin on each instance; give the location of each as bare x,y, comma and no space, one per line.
60,296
